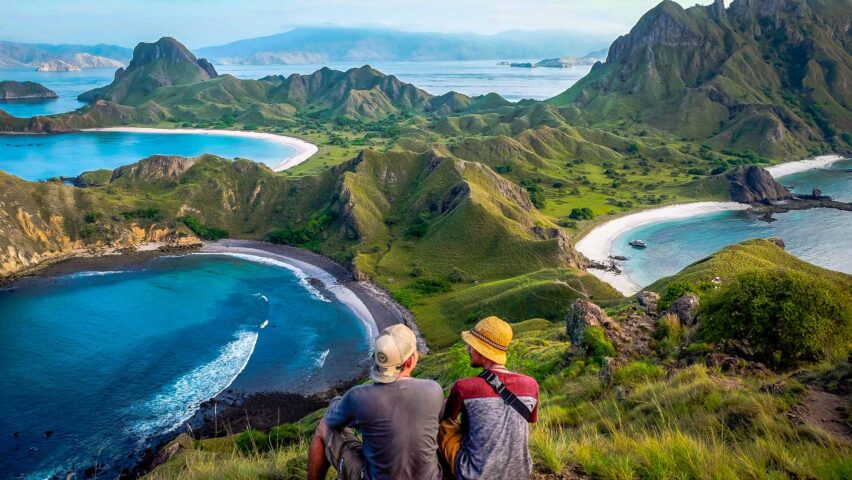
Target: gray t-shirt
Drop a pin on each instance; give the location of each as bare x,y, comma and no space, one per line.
399,425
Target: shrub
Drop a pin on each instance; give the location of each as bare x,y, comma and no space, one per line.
584,213
430,286
638,373
785,316
251,441
203,231
597,346
668,334
674,291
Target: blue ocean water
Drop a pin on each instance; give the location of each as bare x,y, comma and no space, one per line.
107,361
469,77
66,84
820,236
39,157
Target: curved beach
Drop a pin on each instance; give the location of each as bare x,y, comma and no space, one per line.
304,150
597,244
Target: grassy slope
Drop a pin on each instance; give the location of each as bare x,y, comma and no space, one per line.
750,255
694,423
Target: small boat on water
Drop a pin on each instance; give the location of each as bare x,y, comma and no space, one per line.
637,243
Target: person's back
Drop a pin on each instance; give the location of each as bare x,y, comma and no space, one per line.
398,423
397,417
495,435
491,440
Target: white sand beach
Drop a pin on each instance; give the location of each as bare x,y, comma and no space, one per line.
597,244
789,168
304,150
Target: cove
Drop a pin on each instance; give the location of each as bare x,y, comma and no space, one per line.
40,157
819,236
99,364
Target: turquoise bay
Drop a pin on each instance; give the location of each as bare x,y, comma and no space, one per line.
819,236
108,361
39,157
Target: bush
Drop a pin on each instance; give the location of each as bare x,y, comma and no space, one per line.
251,441
597,346
674,291
668,335
584,213
430,286
638,373
203,231
786,317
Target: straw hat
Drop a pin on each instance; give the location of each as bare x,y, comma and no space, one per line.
490,337
393,347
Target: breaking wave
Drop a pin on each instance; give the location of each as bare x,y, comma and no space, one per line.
178,402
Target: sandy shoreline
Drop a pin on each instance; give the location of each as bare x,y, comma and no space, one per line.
304,150
597,244
789,168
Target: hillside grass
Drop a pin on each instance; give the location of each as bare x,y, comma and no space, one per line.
648,423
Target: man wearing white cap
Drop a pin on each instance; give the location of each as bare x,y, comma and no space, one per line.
397,417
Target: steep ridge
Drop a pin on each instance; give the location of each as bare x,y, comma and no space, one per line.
163,63
766,75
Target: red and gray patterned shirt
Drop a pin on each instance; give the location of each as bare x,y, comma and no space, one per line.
495,435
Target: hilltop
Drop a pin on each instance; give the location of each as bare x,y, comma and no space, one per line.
330,44
765,75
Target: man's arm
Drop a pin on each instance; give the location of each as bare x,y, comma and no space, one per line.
339,415
454,404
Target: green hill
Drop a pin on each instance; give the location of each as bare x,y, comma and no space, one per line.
763,75
162,63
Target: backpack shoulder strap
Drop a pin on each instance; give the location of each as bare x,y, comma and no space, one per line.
508,397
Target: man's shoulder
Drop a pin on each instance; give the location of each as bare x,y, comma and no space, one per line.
477,387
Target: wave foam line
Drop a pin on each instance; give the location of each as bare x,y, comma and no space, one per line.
300,274
178,402
93,273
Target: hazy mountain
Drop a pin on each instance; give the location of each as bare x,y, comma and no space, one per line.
768,75
321,44
81,56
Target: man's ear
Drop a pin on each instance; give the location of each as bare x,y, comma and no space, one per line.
412,360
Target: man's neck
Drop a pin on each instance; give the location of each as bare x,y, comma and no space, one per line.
495,366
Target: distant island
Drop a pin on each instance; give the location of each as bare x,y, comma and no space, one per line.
11,90
561,62
50,58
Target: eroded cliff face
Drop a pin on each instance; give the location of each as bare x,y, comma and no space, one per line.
45,222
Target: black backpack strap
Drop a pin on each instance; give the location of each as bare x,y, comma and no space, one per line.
510,398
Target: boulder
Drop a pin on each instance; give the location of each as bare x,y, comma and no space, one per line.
649,300
584,314
753,184
685,308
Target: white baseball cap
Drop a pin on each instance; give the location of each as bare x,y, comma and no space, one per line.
393,347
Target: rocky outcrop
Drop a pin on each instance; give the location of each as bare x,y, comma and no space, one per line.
583,315
11,90
649,300
753,184
154,169
685,308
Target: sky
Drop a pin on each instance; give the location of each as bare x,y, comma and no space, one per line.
199,23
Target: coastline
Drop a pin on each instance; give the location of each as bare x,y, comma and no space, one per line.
304,150
597,244
232,410
789,168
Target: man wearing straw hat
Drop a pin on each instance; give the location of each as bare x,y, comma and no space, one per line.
498,406
397,417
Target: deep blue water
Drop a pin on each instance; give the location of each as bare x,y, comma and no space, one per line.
820,236
107,361
469,77
39,157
